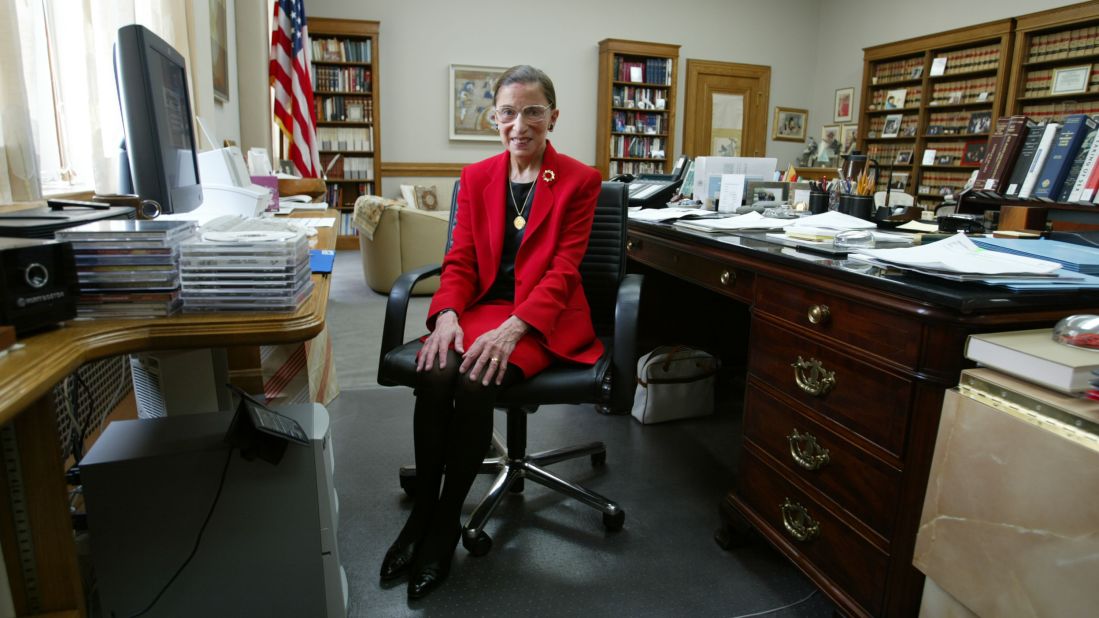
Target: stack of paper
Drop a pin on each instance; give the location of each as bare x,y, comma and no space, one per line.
835,221
957,257
663,214
752,221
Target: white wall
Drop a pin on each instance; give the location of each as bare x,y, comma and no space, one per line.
421,38
855,24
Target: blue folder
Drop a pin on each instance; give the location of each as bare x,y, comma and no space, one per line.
1076,258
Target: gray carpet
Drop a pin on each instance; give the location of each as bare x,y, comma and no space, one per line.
550,555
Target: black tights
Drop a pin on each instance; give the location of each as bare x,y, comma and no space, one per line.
452,429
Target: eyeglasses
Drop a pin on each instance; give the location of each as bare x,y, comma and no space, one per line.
535,114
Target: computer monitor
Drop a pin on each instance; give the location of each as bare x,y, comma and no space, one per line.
161,156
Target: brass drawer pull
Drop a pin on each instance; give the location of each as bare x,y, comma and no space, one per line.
728,278
806,452
819,314
812,377
798,523
630,244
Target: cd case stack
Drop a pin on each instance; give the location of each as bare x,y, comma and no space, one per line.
128,268
246,271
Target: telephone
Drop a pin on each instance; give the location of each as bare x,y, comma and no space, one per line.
654,190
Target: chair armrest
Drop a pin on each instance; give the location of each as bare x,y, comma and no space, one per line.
624,361
396,307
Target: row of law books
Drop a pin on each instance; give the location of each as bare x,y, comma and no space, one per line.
1050,161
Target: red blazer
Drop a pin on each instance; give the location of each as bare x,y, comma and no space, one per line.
548,293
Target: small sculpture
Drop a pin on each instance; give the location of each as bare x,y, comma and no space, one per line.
806,158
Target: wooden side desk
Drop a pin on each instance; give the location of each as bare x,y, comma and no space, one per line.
35,527
847,366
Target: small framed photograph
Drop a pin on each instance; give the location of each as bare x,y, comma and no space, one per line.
928,157
829,147
904,157
766,191
849,137
845,104
355,112
790,124
917,72
954,98
894,99
944,159
899,181
892,126
979,122
934,129
1070,80
974,153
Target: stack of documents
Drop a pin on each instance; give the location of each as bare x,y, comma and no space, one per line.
664,214
752,221
959,259
1077,258
820,230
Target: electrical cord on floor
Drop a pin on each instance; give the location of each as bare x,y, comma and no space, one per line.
779,609
198,539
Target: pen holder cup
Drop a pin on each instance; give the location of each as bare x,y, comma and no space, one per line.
818,203
861,206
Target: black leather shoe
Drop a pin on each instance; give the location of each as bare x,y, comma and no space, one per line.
426,579
397,560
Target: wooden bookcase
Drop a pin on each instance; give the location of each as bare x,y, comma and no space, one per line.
346,97
1047,42
1044,43
635,132
951,113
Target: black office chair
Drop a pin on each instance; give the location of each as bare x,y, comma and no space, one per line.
614,299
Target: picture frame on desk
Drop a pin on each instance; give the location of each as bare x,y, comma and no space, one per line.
844,108
790,124
471,96
1070,80
765,191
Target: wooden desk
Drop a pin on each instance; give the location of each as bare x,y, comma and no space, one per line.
846,373
31,447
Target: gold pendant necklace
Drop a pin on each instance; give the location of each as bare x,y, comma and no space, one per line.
519,221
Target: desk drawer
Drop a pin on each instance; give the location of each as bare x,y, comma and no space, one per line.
884,333
849,560
711,274
868,400
857,482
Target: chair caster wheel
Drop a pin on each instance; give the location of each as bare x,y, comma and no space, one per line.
408,484
516,486
599,459
614,522
478,546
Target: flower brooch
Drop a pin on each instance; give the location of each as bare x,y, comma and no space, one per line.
549,176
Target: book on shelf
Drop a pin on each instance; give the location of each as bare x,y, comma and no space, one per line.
1062,152
1025,157
1034,356
1081,169
1049,134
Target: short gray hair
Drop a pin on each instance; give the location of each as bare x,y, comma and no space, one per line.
526,74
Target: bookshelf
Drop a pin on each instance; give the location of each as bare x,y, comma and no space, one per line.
940,92
345,94
1045,43
635,132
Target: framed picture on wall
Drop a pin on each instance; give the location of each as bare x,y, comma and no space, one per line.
790,124
471,102
219,49
845,104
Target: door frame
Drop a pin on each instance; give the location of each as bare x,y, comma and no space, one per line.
756,110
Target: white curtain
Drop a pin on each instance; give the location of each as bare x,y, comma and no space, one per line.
18,163
83,35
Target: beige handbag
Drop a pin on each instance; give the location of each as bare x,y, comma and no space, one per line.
674,382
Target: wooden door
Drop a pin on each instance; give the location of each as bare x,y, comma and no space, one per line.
726,109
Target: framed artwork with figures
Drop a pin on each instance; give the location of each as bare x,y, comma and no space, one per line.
471,102
789,124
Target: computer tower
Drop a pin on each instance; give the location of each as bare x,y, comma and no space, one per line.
268,549
170,382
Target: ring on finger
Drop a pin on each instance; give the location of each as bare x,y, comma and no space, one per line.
494,360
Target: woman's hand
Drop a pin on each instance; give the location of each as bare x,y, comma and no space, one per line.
438,342
488,356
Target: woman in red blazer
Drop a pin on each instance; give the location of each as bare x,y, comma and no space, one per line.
509,304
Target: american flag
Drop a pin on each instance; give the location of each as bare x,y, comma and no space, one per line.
293,86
